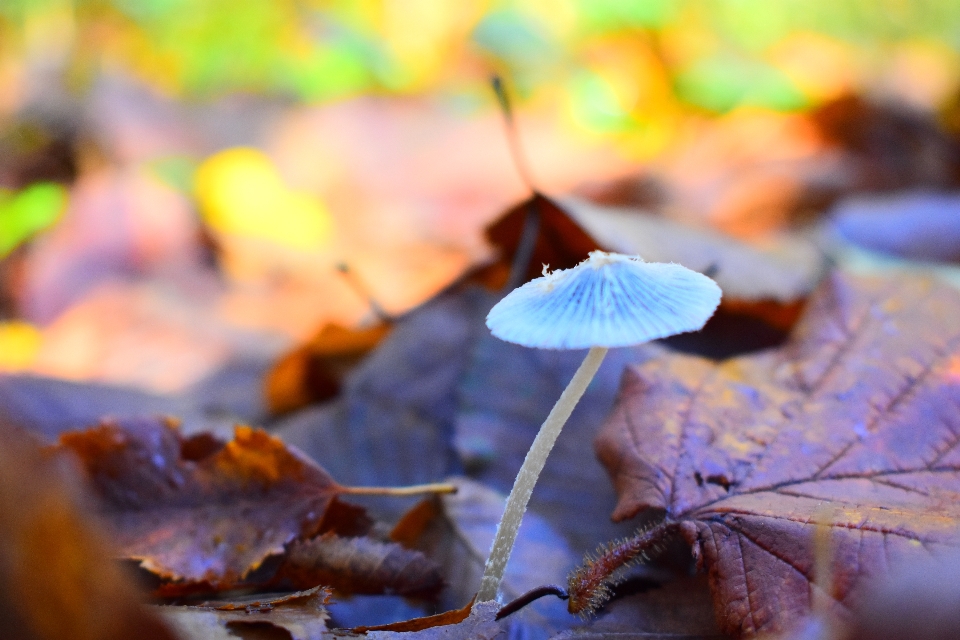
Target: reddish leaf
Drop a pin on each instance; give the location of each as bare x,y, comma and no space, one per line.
415,522
196,510
454,617
854,423
560,242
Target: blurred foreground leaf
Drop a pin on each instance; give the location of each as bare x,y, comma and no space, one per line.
57,579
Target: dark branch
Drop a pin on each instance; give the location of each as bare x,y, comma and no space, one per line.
530,596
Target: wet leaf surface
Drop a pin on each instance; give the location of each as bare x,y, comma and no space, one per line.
852,424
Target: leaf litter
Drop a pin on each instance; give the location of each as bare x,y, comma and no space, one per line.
205,515
367,396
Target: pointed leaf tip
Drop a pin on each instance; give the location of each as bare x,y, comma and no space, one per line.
608,300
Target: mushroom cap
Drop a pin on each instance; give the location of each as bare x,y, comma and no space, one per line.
608,300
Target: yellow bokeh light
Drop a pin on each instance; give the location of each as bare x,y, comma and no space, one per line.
19,345
241,193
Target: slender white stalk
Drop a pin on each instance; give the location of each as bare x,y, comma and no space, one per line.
530,470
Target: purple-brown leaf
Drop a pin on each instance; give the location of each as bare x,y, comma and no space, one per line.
855,423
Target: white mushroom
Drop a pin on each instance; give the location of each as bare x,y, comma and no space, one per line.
608,300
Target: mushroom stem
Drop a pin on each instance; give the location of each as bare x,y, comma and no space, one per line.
530,471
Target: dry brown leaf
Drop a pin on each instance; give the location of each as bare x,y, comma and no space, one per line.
359,565
427,622
196,510
857,417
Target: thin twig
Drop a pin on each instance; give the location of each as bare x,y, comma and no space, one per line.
360,288
513,137
412,490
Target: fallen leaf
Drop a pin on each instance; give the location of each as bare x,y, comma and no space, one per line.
198,511
914,225
919,601
887,147
357,566
302,615
479,624
47,406
555,240
398,404
313,372
858,411
778,268
446,618
57,579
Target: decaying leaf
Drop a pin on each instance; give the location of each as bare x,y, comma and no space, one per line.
56,576
472,621
359,565
196,510
297,616
399,403
853,424
444,619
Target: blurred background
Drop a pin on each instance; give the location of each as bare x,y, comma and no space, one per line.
181,179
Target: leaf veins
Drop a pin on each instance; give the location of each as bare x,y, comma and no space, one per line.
854,423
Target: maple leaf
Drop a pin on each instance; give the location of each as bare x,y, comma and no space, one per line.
196,510
853,424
